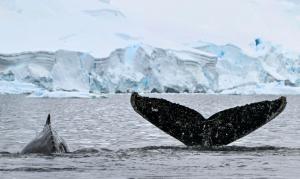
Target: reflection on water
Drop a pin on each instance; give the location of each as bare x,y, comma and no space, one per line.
109,140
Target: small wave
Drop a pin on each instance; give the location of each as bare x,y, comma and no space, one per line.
32,169
86,152
9,155
90,151
4,153
149,148
240,148
218,148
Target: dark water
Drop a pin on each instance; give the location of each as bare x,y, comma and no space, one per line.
109,140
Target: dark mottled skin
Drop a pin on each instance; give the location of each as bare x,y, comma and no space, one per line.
191,128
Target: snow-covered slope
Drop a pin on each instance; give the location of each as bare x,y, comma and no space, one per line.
209,68
50,25
100,26
236,22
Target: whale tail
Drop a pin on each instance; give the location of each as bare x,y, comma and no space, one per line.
191,128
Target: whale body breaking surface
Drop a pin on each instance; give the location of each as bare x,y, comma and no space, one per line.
46,142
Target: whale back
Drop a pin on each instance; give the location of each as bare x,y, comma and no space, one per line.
46,142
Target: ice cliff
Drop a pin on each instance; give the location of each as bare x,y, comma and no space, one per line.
264,69
208,68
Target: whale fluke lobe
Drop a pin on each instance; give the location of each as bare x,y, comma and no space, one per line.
46,142
191,128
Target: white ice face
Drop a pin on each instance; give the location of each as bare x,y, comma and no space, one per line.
263,69
210,68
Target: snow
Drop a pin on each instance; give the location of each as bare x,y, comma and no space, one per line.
50,25
220,22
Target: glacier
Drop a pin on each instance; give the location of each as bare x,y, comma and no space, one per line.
204,68
264,64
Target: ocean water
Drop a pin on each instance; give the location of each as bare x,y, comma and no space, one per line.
109,140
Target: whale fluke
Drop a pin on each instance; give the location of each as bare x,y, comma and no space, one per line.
191,128
46,142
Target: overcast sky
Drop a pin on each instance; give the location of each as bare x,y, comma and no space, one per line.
100,26
237,21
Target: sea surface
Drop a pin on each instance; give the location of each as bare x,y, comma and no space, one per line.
109,140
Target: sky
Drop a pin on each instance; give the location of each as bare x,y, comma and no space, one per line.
100,26
230,21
